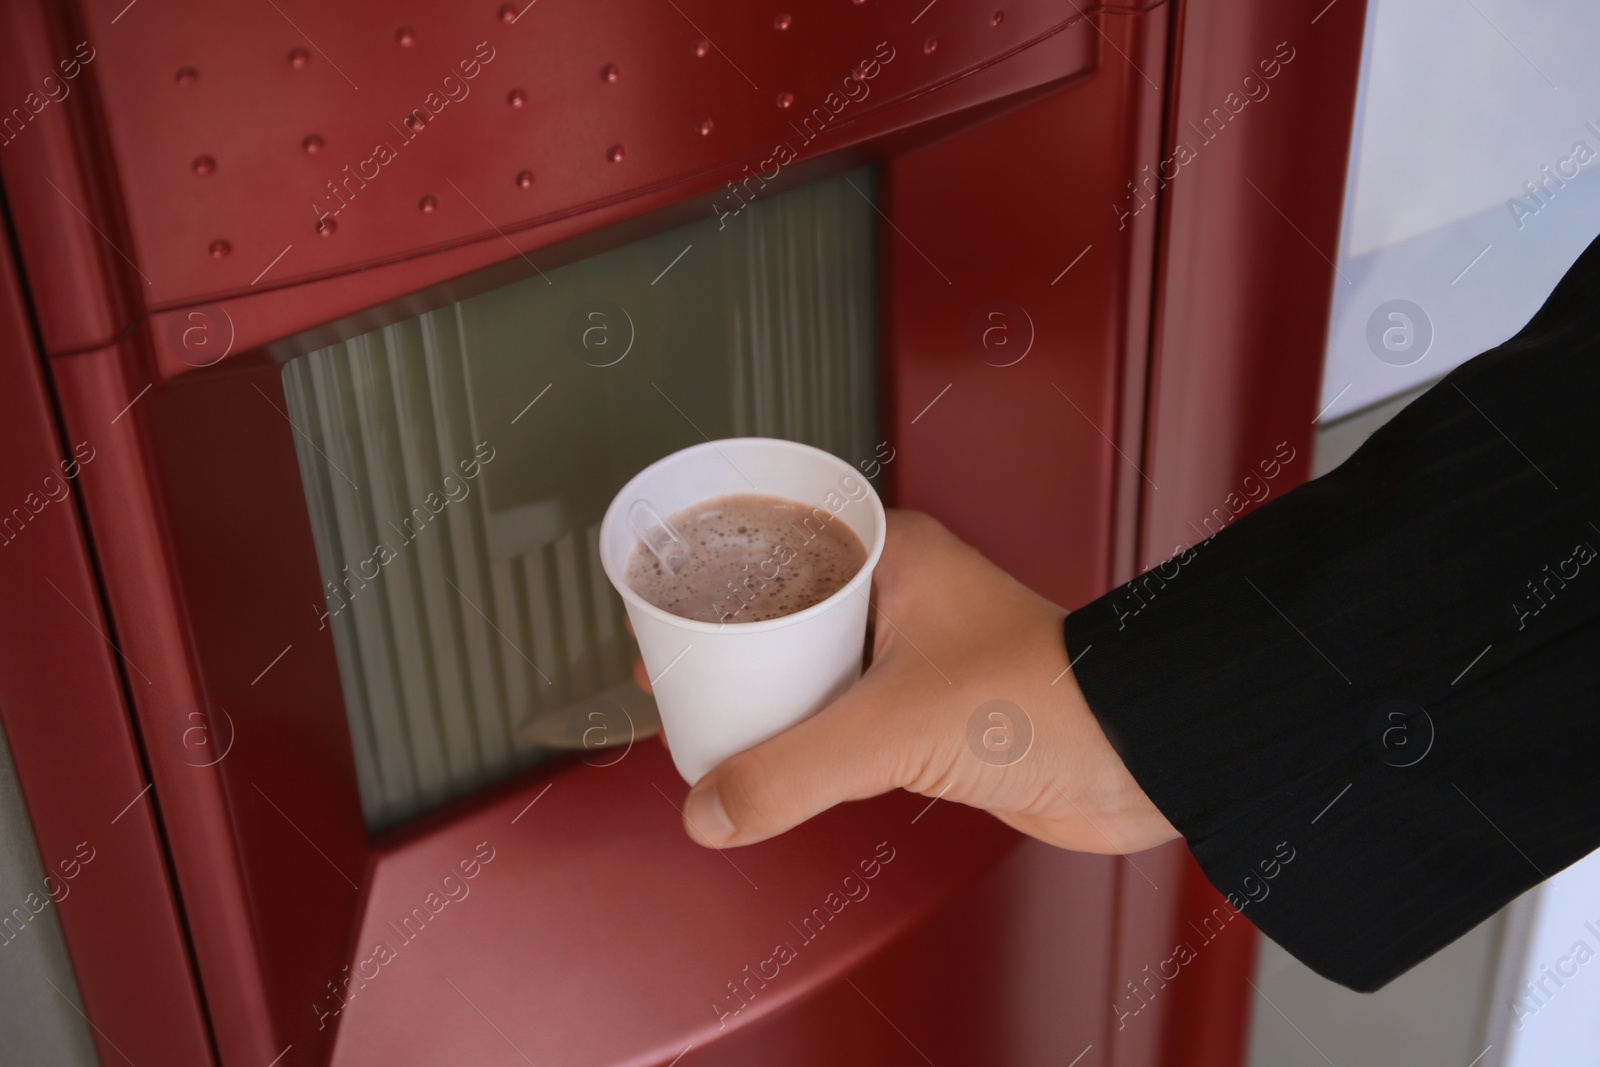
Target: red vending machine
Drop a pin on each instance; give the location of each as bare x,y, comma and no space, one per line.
330,330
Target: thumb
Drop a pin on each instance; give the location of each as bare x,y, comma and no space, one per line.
846,751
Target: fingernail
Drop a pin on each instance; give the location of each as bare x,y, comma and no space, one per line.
708,818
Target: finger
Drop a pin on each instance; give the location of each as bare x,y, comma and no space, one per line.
641,677
850,750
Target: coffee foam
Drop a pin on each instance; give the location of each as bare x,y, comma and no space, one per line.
750,557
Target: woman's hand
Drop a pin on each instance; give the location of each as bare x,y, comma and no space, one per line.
952,633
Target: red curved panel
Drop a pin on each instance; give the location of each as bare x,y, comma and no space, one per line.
596,933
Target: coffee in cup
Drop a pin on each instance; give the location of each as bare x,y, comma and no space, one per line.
748,557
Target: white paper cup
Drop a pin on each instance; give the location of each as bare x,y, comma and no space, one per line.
723,687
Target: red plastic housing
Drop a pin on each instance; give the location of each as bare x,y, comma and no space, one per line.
219,170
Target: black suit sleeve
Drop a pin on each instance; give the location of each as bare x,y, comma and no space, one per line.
1390,674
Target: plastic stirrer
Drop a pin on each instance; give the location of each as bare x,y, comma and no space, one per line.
658,535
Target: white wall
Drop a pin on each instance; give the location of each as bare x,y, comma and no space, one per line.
38,1024
1550,1012
1462,103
